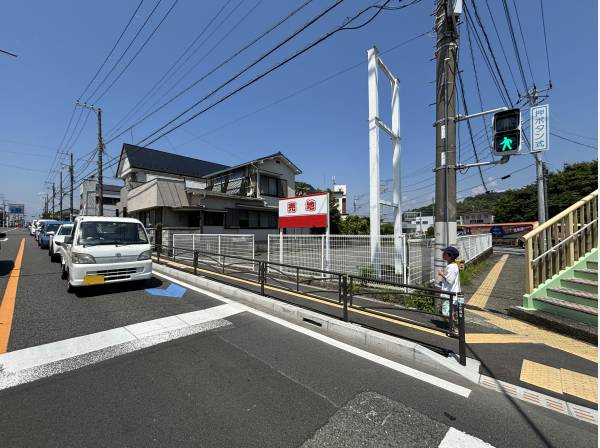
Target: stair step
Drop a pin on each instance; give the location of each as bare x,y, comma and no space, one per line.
575,311
588,274
580,284
574,292
591,264
574,296
569,305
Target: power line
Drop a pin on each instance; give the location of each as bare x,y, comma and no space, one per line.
118,61
546,44
248,67
508,65
227,61
112,49
138,51
159,84
573,141
300,91
515,46
524,44
273,68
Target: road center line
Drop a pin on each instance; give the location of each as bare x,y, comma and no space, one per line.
7,307
414,373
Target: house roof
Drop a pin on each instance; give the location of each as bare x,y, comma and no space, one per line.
166,162
271,156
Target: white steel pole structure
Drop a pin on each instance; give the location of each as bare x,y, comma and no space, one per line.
375,63
374,188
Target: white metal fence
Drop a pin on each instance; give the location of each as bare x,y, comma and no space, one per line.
351,254
347,254
183,245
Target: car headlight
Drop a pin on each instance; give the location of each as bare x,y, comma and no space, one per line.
145,255
77,258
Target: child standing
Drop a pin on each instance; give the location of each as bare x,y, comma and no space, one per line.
450,278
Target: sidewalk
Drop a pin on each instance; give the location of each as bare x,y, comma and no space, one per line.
522,353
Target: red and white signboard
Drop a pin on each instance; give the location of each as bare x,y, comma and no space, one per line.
304,211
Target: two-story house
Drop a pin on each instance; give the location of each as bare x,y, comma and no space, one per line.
179,191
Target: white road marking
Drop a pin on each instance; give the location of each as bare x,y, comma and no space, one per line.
458,439
417,374
27,358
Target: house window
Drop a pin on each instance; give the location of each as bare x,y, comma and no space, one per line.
213,219
250,219
272,186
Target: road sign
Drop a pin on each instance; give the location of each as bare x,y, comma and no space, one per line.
540,128
507,132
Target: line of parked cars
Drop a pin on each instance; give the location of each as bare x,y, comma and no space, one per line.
96,250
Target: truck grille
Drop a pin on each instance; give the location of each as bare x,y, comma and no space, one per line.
114,274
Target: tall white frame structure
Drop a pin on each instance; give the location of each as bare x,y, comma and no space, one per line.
375,63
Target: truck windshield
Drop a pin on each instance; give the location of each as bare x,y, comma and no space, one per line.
94,233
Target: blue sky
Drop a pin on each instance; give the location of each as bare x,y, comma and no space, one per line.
308,110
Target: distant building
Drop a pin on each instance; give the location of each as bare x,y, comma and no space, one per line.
340,195
477,218
179,191
415,223
89,198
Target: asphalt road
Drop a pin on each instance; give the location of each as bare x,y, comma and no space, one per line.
251,382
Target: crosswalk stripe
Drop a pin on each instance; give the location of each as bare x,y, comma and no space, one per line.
458,439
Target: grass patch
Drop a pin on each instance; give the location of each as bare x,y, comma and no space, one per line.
471,271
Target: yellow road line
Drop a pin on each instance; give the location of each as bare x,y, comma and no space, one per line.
562,381
403,322
537,335
7,307
495,338
481,296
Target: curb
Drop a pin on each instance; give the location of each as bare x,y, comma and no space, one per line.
330,326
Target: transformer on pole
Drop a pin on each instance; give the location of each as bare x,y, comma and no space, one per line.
375,64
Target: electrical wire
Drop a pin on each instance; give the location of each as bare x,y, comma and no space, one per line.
112,49
138,51
546,44
222,64
165,77
270,70
118,61
523,41
573,141
515,46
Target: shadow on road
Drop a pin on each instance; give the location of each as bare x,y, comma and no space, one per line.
5,267
117,288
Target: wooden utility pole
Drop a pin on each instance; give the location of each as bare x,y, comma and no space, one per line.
60,200
100,151
53,198
445,136
71,189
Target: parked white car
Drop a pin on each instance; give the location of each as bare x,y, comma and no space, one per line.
106,250
32,227
55,250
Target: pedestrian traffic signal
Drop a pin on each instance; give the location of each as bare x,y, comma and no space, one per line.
507,132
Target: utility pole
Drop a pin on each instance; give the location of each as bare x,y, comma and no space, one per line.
71,189
53,197
445,134
100,153
539,167
60,198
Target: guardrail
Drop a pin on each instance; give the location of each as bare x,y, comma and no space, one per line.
560,241
364,300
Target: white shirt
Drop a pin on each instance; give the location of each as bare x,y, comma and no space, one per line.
451,281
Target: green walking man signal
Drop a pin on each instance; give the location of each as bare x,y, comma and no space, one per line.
507,132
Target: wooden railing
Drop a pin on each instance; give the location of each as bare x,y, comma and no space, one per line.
560,241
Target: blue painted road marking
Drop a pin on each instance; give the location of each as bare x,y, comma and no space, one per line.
173,290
